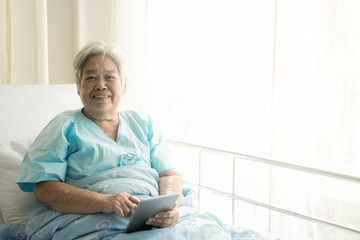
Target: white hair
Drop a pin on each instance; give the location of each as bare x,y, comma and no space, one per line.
98,48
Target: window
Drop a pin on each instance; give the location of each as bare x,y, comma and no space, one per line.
273,79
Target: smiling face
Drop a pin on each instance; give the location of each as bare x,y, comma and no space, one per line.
101,88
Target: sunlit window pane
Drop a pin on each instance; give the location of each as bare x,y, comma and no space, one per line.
274,79
210,72
216,171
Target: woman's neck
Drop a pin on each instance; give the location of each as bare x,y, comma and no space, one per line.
101,117
109,125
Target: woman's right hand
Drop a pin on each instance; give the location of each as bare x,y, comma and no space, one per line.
123,204
66,198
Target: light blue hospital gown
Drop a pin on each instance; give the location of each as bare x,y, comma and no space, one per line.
72,146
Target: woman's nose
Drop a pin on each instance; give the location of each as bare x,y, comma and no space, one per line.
101,84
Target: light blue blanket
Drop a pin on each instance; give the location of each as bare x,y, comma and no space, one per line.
45,223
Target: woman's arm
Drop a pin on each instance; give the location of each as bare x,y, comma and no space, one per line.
170,182
66,198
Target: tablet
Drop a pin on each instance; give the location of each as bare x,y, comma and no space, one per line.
148,208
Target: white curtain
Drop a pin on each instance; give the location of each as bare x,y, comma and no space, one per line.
275,79
42,41
130,33
5,42
46,35
29,42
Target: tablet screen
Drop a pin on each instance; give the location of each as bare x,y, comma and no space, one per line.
148,208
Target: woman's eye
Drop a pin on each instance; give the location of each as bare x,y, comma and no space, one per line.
110,77
90,78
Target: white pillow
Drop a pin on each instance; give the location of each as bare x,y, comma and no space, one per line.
14,203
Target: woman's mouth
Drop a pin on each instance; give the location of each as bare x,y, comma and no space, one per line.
101,96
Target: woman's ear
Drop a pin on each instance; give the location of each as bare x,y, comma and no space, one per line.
78,88
124,85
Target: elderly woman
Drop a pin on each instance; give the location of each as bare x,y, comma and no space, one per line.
79,143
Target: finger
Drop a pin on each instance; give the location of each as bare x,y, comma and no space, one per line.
126,211
165,219
126,207
131,212
168,214
134,199
131,208
119,212
175,205
129,200
161,223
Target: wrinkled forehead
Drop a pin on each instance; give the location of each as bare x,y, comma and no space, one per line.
99,63
98,71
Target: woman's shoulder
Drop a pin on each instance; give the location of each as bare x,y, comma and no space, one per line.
134,115
66,116
136,119
56,128
69,114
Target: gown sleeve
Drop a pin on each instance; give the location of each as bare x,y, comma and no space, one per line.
46,158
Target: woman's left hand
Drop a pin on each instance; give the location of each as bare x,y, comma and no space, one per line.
165,219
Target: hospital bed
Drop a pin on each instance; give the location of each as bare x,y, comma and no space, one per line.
25,111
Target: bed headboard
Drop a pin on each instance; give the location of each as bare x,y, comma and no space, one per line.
24,112
26,109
